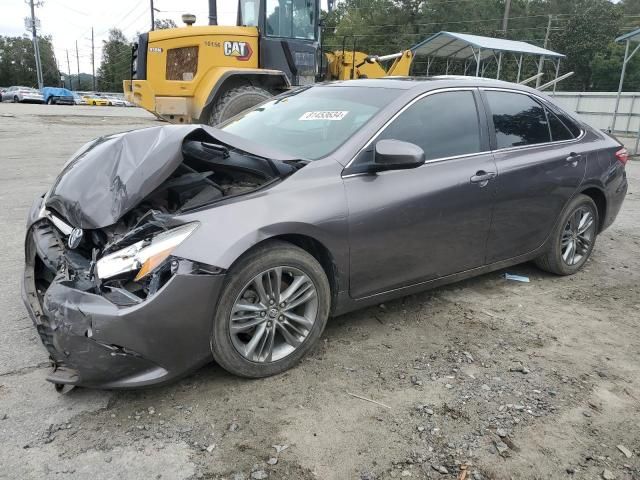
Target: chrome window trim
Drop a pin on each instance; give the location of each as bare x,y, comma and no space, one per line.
455,89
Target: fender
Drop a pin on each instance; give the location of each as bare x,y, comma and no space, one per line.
223,79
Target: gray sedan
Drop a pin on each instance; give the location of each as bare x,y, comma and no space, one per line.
22,94
158,250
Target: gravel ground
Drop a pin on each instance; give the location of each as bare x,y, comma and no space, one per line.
487,378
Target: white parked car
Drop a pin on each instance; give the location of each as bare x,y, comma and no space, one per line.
115,101
22,94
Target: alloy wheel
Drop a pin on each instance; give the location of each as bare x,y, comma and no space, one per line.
274,314
577,236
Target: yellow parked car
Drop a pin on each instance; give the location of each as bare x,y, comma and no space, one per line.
94,100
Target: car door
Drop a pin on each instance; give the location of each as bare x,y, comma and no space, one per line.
540,167
410,226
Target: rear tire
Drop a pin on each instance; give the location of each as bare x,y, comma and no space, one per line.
15,99
571,247
231,349
49,101
235,101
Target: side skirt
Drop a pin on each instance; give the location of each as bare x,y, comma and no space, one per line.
345,304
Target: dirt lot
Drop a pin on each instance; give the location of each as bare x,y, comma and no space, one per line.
487,378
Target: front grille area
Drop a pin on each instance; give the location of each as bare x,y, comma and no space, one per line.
182,63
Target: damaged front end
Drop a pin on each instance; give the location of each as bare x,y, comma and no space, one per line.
112,305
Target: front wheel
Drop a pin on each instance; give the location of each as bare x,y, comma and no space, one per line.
15,99
573,238
271,312
49,101
235,101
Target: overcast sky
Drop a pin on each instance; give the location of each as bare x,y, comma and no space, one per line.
70,20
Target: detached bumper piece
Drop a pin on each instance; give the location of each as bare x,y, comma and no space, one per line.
96,338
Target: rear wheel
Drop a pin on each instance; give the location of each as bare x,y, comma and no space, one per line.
573,238
271,312
15,99
49,101
235,101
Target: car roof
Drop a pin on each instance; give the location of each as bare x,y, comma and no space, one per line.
425,83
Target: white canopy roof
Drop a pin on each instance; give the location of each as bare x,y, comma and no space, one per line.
463,46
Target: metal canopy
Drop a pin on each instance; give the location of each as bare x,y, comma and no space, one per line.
464,46
482,50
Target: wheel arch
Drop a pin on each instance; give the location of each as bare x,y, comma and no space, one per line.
599,198
271,80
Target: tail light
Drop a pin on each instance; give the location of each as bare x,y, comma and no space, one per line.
622,155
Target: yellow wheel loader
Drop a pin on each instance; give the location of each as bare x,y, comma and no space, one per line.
206,74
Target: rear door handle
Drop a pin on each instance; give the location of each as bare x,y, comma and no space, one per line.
573,158
482,177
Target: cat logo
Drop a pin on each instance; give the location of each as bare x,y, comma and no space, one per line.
241,50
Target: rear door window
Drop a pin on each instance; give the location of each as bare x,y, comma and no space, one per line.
518,119
443,124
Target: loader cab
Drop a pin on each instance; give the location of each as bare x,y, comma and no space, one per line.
289,35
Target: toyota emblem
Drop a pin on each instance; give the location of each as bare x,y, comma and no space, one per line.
75,237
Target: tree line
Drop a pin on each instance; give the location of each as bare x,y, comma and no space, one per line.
583,30
18,66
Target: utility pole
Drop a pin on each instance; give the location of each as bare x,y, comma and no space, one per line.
69,70
505,19
93,61
78,64
36,46
153,22
546,40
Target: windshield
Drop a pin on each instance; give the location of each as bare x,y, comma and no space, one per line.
311,122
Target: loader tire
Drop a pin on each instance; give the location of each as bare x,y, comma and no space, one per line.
235,101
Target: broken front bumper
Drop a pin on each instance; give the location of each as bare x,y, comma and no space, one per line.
96,343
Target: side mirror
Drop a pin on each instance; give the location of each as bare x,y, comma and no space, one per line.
397,155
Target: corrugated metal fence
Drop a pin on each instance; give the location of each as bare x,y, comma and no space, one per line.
596,108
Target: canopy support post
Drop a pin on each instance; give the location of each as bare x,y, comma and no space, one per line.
446,70
557,72
519,69
540,65
624,69
477,61
499,66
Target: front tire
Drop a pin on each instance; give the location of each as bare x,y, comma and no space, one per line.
573,238
272,311
49,101
15,99
235,101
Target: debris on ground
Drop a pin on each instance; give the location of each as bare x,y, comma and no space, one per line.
516,278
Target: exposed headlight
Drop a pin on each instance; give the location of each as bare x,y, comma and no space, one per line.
143,256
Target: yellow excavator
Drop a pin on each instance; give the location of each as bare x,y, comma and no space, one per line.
206,74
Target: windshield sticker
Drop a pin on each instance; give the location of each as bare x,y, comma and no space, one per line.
324,115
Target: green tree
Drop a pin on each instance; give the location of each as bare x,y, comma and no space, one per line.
586,36
583,30
18,64
164,23
116,62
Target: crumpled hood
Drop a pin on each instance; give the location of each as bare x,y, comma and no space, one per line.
111,175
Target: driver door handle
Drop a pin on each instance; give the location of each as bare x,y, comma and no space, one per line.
482,177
